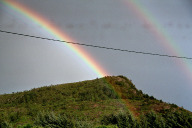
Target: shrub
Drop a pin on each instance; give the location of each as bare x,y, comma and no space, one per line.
152,120
49,119
26,126
174,105
126,121
83,124
122,120
109,92
14,116
178,119
107,126
5,124
120,83
110,119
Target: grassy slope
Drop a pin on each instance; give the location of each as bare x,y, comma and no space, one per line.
88,101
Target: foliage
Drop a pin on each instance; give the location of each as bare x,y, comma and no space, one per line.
152,120
83,124
108,102
122,120
107,126
49,119
5,124
178,119
26,126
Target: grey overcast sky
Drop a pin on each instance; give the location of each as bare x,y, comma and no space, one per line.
159,26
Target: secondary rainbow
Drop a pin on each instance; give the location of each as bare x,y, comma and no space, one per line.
157,30
59,34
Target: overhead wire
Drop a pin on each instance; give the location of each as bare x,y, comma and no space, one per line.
97,46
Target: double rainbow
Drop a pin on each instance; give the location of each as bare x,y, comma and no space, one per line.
57,33
143,14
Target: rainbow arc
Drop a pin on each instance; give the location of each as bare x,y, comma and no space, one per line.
166,41
58,33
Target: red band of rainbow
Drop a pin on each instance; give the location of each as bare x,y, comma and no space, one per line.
59,34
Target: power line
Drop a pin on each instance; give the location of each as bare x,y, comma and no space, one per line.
96,46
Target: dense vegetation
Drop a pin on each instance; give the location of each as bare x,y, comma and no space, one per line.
109,102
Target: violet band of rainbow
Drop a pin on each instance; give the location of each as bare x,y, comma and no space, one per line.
57,33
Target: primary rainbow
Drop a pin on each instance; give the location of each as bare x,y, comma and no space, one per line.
157,30
59,34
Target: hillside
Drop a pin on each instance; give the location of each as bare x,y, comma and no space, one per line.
112,102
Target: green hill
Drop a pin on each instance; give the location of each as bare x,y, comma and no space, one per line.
109,102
